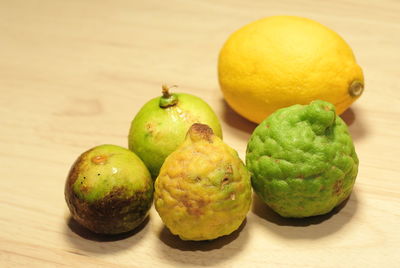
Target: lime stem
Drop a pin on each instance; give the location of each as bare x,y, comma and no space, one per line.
167,99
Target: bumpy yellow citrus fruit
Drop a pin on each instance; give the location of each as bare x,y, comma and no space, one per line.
280,61
203,190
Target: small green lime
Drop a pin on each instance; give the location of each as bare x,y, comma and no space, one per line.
161,125
302,160
109,190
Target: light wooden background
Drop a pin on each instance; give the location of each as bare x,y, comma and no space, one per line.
74,73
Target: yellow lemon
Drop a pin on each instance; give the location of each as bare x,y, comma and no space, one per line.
279,61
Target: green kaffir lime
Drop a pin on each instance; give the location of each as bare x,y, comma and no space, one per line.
302,160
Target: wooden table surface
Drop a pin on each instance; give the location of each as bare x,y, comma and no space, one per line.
74,73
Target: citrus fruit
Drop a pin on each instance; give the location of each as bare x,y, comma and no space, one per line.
109,190
302,160
203,190
279,61
161,124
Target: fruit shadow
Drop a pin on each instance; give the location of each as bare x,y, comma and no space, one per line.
204,253
353,119
234,120
310,227
88,241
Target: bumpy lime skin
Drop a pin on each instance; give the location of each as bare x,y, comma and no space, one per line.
203,190
156,132
109,190
302,160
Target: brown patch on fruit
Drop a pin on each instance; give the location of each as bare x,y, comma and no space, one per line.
195,211
201,131
85,189
189,204
105,215
74,171
338,187
229,169
99,159
202,202
194,207
113,201
150,127
224,181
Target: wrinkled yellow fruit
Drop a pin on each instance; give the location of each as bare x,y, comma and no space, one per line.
203,190
280,61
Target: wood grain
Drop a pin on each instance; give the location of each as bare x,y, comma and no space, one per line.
74,73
